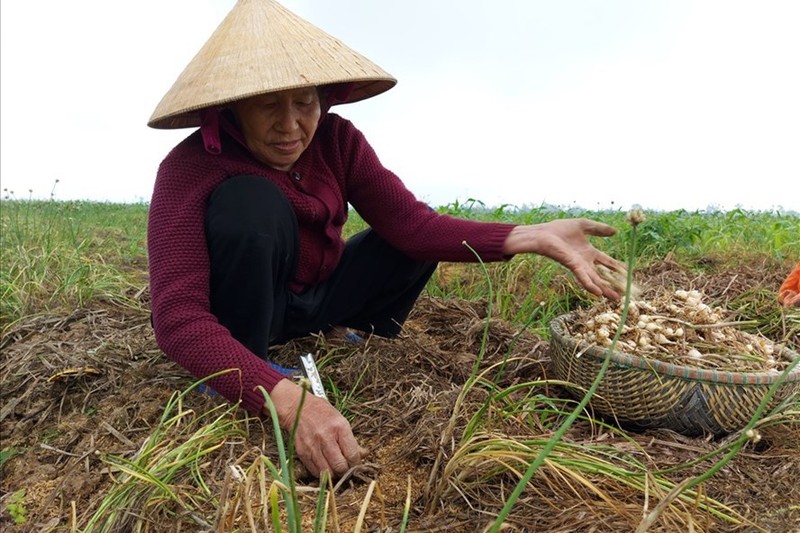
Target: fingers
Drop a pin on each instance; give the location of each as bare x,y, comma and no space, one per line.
324,439
331,459
565,241
353,453
608,292
595,284
344,453
793,301
610,262
600,229
597,229
789,298
337,455
601,275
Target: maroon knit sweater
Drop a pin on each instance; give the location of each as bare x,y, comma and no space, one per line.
337,168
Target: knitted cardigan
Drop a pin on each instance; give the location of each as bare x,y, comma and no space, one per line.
338,168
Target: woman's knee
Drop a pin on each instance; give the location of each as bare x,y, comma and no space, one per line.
248,204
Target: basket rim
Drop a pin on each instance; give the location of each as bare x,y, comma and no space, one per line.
693,373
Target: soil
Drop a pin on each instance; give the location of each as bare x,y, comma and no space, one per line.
79,386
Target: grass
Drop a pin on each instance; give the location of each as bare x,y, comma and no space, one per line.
62,256
165,475
58,255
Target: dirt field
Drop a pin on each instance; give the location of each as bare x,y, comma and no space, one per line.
61,425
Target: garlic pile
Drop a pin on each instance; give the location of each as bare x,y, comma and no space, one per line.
678,327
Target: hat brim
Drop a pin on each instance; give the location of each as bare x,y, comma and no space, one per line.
261,47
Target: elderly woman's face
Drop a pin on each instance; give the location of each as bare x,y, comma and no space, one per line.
278,126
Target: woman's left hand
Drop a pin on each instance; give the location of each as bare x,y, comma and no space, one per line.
565,241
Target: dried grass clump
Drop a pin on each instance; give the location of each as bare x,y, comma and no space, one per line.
678,327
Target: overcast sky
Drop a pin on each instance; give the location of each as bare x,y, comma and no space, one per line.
668,104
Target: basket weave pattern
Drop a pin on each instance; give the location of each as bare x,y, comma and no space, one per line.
646,393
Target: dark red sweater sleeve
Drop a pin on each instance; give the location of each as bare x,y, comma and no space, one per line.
185,329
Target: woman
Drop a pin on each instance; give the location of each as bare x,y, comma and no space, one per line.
245,228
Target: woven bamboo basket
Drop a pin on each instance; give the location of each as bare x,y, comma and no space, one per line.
641,393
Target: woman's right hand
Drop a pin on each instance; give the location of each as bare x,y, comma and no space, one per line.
324,439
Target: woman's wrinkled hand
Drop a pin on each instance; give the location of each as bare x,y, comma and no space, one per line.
324,439
566,241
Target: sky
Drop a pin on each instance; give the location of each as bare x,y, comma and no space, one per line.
596,104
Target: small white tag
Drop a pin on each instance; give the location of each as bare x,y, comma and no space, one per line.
311,372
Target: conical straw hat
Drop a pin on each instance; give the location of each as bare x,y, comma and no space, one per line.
262,47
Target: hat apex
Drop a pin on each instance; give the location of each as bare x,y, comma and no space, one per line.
263,47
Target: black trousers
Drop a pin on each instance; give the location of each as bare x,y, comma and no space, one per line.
252,237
